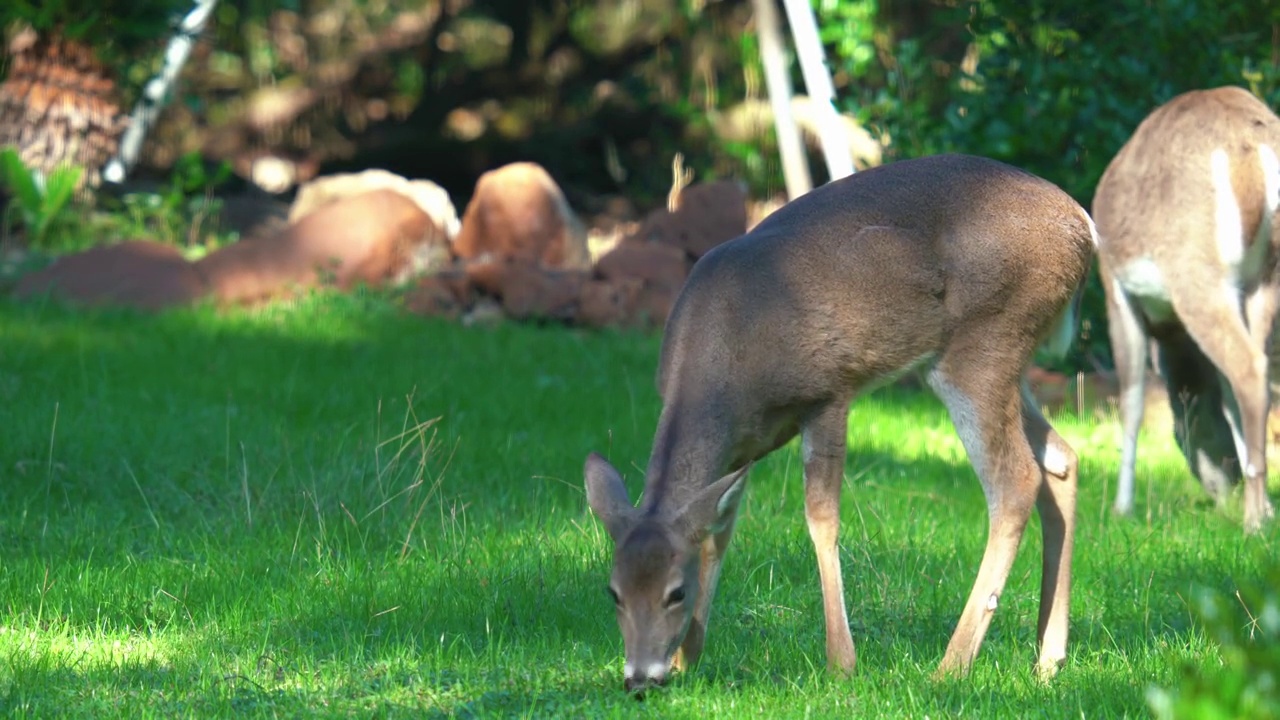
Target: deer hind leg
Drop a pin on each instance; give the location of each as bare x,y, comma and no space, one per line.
1214,321
824,440
1057,507
1260,312
1129,346
710,561
1200,406
984,402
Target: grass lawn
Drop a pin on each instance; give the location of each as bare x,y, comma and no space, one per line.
330,508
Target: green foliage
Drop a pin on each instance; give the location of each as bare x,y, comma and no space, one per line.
1246,628
39,201
177,212
105,24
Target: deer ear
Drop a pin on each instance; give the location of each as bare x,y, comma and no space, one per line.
607,497
709,511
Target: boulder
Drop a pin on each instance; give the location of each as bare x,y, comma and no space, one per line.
518,213
605,303
141,274
432,198
653,305
435,249
655,263
447,293
366,238
527,291
706,215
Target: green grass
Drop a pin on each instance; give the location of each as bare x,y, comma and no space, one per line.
330,508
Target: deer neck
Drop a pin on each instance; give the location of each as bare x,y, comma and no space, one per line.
690,451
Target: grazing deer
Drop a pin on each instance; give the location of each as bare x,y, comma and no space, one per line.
953,263
1187,248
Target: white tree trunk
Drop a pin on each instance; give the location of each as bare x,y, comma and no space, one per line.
156,93
817,81
795,167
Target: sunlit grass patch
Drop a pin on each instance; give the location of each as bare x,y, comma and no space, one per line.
327,507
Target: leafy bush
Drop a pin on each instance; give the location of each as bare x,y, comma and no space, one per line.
1246,627
41,202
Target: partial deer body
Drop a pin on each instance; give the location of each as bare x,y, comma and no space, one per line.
1187,248
955,264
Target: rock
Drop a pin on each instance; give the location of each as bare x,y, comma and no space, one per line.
527,291
519,213
432,198
707,215
653,305
141,274
605,303
435,249
448,293
656,263
367,238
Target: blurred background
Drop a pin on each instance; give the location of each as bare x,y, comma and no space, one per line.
604,94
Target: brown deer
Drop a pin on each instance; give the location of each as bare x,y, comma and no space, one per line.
952,263
1187,248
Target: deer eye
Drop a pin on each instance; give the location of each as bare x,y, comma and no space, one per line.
614,594
675,597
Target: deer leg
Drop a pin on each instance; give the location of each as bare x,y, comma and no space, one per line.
985,405
1057,507
1217,327
1260,312
1130,348
824,440
710,560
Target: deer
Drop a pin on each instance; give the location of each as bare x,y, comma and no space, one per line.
954,266
1187,249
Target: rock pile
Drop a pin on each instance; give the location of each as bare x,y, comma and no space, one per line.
519,251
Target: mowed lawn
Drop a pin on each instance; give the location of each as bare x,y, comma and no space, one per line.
329,508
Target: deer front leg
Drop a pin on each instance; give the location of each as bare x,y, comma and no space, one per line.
824,445
710,560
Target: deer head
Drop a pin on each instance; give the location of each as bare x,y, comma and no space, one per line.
655,579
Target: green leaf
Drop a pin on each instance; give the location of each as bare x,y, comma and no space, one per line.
61,185
19,179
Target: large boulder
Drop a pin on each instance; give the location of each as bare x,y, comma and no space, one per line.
367,238
518,213
432,253
141,274
706,215
432,198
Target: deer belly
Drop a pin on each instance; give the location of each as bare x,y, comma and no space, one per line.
1142,280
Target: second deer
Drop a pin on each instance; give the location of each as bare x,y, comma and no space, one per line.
1188,243
955,264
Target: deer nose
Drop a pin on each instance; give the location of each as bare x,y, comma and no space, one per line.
641,677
